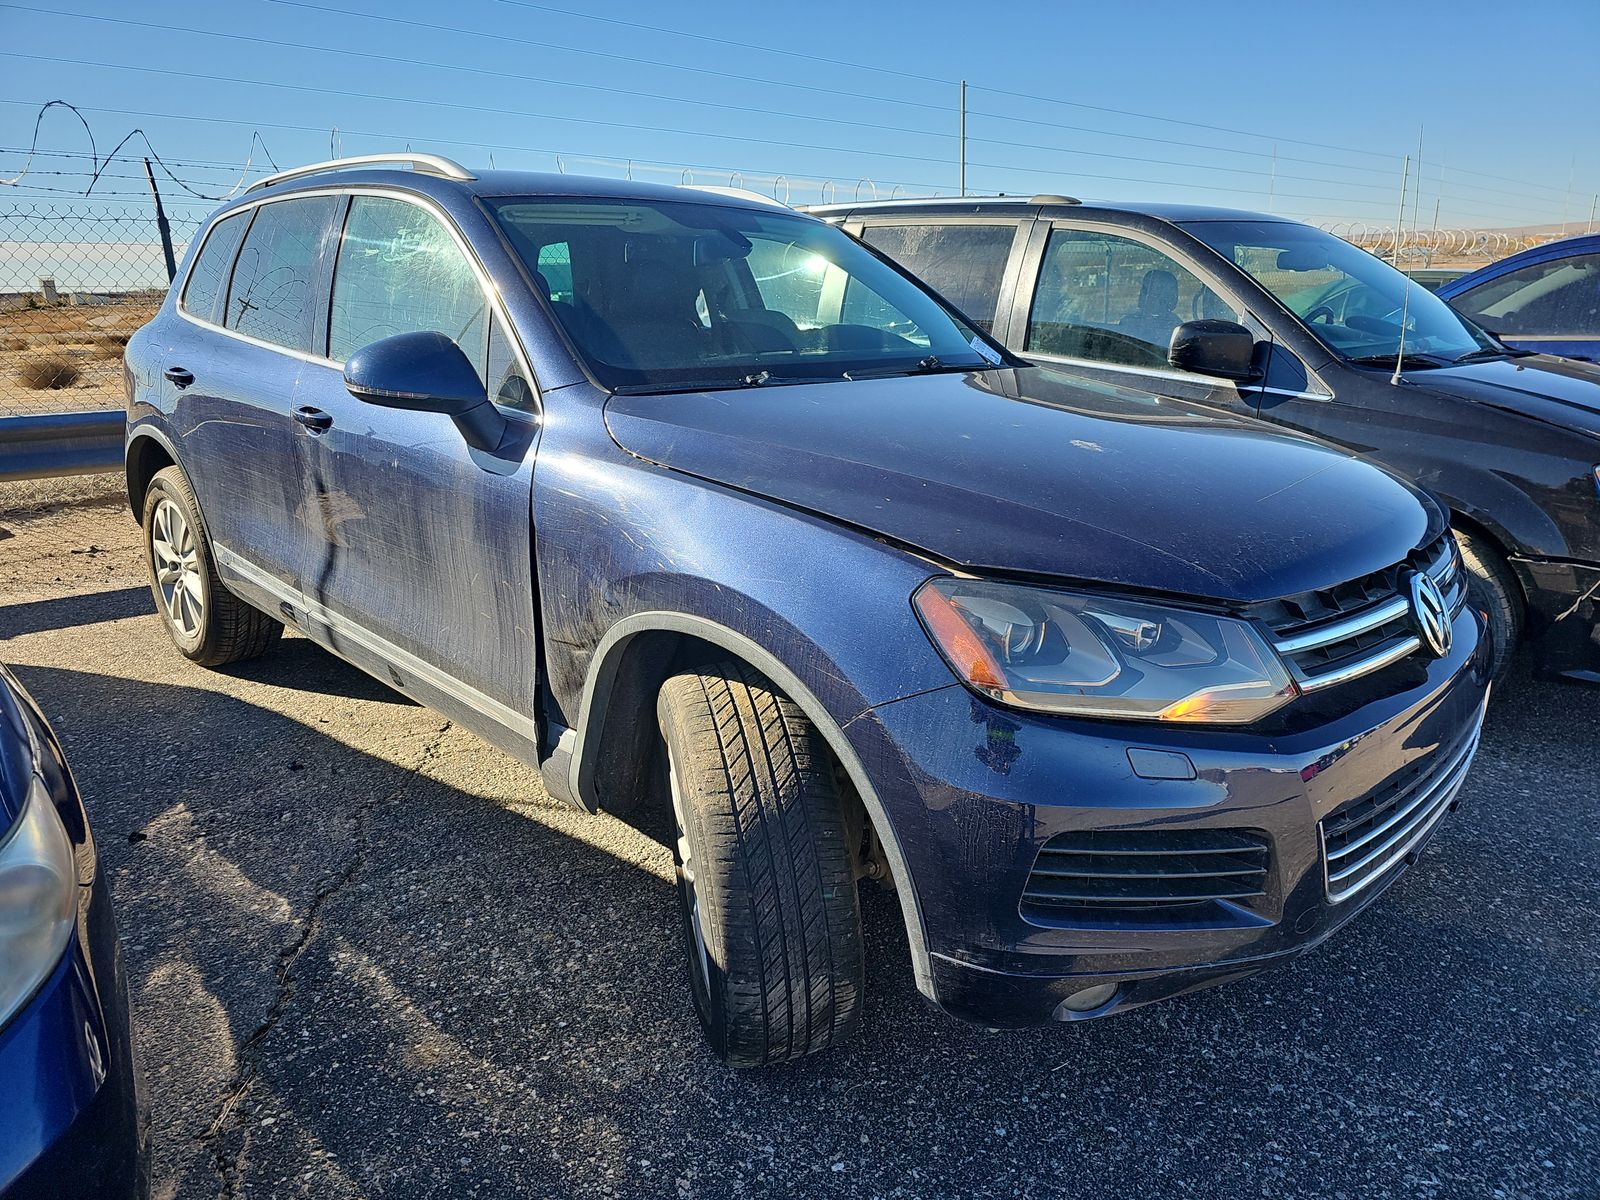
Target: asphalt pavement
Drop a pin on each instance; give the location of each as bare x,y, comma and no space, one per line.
370,957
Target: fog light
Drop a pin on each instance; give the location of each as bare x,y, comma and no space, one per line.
1090,998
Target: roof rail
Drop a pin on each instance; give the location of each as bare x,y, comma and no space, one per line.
426,164
737,193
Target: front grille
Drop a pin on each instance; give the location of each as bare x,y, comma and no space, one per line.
1139,871
1336,634
1362,840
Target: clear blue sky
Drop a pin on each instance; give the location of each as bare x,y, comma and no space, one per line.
864,92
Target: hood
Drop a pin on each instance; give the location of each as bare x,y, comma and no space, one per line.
1562,391
1038,472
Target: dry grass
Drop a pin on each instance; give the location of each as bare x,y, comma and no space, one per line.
46,372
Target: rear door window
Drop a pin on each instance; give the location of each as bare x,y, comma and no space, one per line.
209,274
965,263
1559,298
271,295
1111,299
400,271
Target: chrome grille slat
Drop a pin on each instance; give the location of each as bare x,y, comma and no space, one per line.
1345,646
1418,797
1350,866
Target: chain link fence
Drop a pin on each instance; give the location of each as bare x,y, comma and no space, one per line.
75,282
77,279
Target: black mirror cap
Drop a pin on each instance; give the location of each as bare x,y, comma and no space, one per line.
422,372
1222,348
426,372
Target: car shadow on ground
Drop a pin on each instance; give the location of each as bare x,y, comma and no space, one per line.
400,974
72,611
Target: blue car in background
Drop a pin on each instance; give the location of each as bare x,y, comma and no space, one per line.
70,1120
724,521
1546,299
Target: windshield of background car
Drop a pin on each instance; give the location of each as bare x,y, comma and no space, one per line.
672,293
1352,301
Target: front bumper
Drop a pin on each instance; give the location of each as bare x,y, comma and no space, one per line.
70,1121
1563,616
974,791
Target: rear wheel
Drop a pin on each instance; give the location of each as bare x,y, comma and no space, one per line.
208,623
765,868
1492,589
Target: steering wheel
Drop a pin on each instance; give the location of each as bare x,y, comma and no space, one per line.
1323,313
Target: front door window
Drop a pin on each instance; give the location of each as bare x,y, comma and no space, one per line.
1111,299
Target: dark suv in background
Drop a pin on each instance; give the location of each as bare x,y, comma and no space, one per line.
1250,314
722,520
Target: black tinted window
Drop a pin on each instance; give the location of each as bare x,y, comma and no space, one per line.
963,263
209,274
400,271
270,296
1559,298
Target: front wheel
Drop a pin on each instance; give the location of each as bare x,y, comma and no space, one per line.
765,868
1493,590
208,624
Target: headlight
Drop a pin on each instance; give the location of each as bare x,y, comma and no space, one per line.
1069,652
38,899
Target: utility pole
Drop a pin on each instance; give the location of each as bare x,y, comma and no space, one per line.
1593,204
963,137
162,227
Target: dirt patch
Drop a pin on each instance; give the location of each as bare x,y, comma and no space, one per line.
90,338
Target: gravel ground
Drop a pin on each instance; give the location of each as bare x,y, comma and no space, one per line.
369,956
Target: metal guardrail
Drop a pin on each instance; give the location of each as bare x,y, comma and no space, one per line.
74,443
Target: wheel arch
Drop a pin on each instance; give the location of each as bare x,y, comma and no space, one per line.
148,452
604,752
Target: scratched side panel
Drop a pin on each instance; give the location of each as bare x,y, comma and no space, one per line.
422,539
619,536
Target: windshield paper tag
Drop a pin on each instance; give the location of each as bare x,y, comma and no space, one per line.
984,350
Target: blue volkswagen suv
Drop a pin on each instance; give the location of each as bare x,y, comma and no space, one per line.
715,515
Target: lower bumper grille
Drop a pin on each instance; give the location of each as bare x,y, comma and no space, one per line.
1155,872
1362,841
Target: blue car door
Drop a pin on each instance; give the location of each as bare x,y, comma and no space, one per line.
1551,305
232,365
423,570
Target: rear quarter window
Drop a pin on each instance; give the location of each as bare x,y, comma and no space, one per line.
208,276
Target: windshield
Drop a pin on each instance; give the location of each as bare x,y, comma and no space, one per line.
1352,301
663,294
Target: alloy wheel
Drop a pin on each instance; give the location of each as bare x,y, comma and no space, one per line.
176,561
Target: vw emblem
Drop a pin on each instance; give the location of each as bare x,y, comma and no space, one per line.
1431,613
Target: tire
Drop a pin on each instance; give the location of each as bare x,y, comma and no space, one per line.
766,868
208,623
1493,589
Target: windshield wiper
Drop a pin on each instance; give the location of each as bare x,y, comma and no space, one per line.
1414,362
725,384
932,365
1491,352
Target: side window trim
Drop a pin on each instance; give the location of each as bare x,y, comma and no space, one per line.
323,299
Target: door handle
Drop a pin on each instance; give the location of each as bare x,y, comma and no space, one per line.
313,419
179,376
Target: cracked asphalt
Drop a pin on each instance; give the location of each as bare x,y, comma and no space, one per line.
370,957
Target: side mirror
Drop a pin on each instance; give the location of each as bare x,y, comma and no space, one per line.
426,372
1220,348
